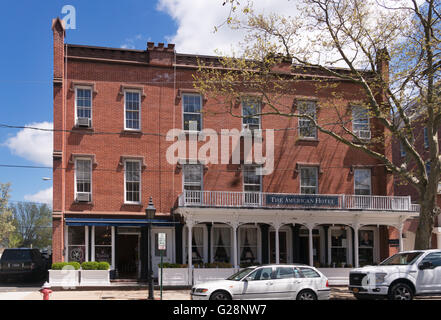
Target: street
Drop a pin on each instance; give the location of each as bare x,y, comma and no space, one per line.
30,292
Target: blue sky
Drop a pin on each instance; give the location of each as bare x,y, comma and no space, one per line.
26,63
26,68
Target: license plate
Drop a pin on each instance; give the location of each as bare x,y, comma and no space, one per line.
16,265
355,290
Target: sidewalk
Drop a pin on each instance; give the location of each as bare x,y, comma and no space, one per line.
97,295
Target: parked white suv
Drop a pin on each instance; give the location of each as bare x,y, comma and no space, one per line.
399,277
297,282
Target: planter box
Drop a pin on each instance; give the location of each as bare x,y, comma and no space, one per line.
175,276
64,278
212,274
95,278
337,276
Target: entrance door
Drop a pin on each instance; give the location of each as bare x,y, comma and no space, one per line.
127,257
167,255
282,247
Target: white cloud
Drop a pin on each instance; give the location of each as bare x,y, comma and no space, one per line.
33,145
43,196
130,43
197,19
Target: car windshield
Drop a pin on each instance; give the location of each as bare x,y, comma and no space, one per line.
239,275
401,259
16,255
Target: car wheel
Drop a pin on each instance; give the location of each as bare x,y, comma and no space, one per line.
306,295
400,291
220,295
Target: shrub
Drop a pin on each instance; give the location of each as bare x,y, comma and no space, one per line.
103,265
58,265
74,264
61,265
89,265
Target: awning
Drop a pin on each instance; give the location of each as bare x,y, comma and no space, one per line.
118,222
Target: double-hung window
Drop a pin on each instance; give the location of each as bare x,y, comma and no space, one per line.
132,109
192,112
252,184
251,109
360,123
83,180
362,182
132,181
193,183
309,180
83,106
307,129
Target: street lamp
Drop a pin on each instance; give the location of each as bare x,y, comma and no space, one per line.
150,214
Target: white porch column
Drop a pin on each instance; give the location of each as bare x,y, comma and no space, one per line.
86,241
311,247
276,229
190,243
234,227
356,257
92,258
437,231
66,243
400,230
113,248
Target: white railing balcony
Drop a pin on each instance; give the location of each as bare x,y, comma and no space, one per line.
227,199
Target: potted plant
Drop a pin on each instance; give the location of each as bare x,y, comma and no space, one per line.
95,273
64,274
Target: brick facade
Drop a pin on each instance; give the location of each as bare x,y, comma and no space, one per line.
160,74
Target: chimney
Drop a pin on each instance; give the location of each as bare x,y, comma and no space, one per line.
161,55
382,61
59,33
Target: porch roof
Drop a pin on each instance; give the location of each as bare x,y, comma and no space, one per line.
117,222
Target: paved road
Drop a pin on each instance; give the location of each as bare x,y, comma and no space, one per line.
30,292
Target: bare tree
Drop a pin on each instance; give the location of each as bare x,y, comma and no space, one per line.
6,218
366,37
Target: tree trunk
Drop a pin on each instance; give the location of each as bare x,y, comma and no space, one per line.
423,235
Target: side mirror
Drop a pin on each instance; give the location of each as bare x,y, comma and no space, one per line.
425,265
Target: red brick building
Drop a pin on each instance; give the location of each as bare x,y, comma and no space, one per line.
324,203
403,189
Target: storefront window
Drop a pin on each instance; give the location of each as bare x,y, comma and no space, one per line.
248,245
197,255
221,244
103,244
76,249
366,247
338,246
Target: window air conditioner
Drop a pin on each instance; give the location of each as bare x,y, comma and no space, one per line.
83,197
84,122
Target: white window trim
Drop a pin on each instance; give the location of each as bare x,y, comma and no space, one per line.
140,181
213,241
256,117
206,258
348,247
258,244
66,243
201,166
112,245
304,119
91,102
251,184
370,181
357,121
376,248
198,113
139,111
91,176
316,179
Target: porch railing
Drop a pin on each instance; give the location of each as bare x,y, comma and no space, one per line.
229,199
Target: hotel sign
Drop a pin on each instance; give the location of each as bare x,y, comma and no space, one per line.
306,200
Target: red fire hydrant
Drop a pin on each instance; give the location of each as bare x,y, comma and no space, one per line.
45,291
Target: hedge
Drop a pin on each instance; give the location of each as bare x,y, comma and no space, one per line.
61,265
